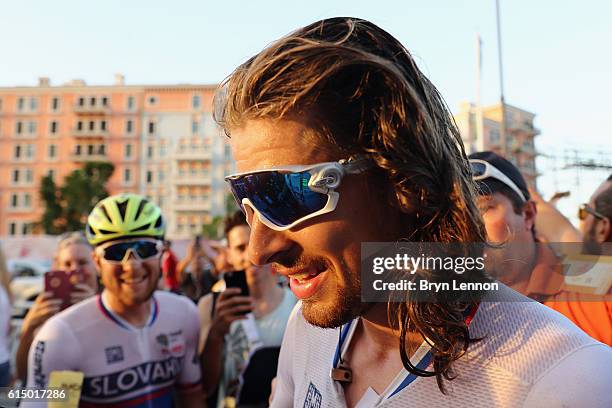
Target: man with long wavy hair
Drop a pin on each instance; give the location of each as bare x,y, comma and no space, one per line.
340,139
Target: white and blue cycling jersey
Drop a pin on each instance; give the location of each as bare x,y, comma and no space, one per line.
123,365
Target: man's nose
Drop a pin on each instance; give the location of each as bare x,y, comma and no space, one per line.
265,242
131,261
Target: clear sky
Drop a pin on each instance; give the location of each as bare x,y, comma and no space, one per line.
557,59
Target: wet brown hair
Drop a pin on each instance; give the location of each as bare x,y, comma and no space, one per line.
360,92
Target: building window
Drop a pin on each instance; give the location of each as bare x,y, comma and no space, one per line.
194,126
53,127
92,101
27,200
129,126
152,100
149,177
20,104
90,150
92,125
30,151
103,126
14,201
128,151
151,127
16,176
55,104
130,103
33,104
19,127
102,150
51,174
161,176
77,150
17,151
25,228
162,150
81,101
29,176
12,228
127,176
195,101
104,101
79,125
149,152
494,136
31,127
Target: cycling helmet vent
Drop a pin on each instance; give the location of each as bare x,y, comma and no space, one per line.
124,216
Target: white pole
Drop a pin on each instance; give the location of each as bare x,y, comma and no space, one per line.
502,129
480,143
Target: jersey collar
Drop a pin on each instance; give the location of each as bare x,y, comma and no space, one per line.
423,356
115,318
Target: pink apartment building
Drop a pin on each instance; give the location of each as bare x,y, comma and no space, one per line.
162,140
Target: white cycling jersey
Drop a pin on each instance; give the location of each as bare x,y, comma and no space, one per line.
529,356
123,366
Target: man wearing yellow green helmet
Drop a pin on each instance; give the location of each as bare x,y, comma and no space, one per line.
135,347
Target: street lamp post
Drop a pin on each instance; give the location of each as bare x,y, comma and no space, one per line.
502,130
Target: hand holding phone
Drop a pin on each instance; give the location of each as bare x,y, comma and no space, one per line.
237,279
61,284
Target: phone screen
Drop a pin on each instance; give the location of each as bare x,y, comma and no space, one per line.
58,283
61,284
237,279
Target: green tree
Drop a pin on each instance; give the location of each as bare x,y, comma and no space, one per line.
214,229
67,207
49,193
230,204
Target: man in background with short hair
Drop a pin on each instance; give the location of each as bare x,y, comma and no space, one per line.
596,218
229,337
525,264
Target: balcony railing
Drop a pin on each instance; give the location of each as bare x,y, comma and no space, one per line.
525,127
88,157
192,205
90,133
193,153
97,109
192,178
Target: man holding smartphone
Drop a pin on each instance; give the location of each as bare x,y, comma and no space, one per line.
134,346
234,325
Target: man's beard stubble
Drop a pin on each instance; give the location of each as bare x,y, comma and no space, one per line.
338,308
589,245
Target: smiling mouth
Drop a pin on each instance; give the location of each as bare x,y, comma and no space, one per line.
304,276
133,281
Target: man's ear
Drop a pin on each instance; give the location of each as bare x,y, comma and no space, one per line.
603,230
96,260
529,214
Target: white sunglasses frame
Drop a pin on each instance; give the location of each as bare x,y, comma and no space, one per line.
99,250
325,178
493,172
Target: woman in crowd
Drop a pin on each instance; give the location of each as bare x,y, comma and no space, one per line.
73,254
5,321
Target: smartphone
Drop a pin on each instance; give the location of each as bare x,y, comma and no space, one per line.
61,284
237,279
